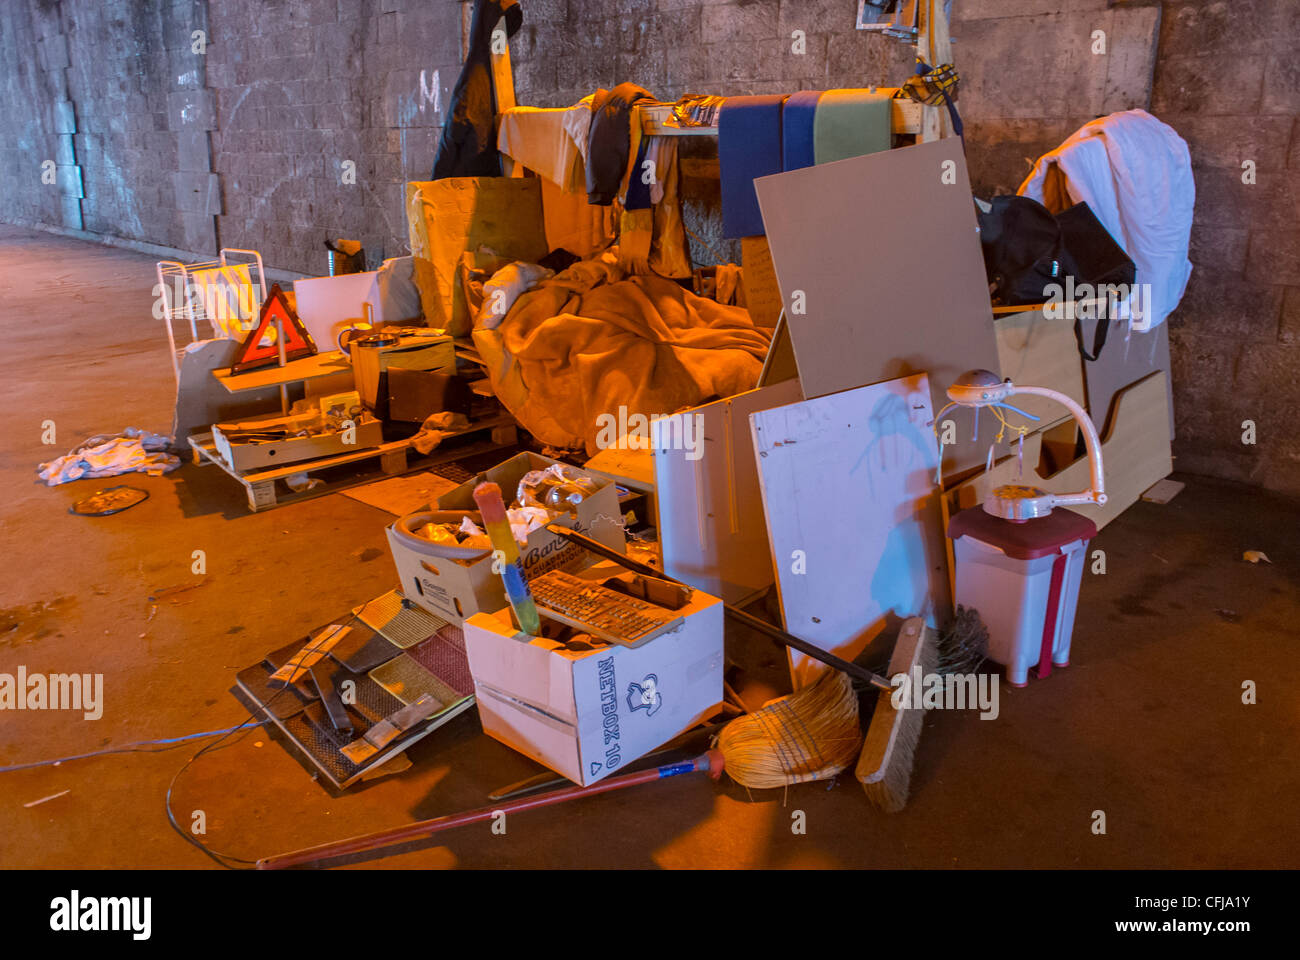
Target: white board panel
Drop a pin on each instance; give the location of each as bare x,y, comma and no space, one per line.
327,305
848,487
879,263
711,525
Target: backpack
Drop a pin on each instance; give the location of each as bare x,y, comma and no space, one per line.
1028,249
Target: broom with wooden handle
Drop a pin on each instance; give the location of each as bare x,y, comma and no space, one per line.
885,766
818,721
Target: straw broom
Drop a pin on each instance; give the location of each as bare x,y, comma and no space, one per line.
812,734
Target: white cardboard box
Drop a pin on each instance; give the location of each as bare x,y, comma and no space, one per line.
245,455
455,589
587,713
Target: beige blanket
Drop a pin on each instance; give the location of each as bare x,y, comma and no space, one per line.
588,341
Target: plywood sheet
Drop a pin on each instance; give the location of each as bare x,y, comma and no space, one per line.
852,514
402,495
779,364
1123,363
710,511
884,255
1037,351
1135,454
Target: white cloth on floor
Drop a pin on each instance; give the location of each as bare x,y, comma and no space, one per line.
436,428
1135,173
110,455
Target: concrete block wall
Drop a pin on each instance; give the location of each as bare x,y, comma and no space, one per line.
1228,82
247,144
325,108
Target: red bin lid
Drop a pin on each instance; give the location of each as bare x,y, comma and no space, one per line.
1028,540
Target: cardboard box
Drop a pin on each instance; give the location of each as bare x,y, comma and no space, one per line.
447,217
457,588
370,365
587,713
241,456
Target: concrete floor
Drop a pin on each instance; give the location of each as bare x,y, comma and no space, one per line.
1146,725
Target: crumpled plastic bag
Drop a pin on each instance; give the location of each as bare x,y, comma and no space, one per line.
524,520
559,488
111,455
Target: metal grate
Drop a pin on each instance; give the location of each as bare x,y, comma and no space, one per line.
406,680
451,471
321,743
401,621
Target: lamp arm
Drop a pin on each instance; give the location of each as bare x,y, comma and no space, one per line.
1096,493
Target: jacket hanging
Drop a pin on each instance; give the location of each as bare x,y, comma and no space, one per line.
467,147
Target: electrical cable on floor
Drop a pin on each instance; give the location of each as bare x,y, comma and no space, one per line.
169,742
216,856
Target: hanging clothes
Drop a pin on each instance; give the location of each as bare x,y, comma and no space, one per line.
547,142
851,123
749,146
468,145
1135,174
610,141
797,118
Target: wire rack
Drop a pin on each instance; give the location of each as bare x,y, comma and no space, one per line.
189,307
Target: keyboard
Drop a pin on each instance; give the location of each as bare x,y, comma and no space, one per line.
600,611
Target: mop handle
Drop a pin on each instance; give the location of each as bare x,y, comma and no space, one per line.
710,761
762,626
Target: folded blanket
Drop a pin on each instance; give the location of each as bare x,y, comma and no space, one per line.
588,341
749,146
797,118
851,123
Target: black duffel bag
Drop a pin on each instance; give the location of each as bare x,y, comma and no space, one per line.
1029,252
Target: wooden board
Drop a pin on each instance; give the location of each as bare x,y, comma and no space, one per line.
390,459
402,495
328,305
1162,491
779,363
888,259
1135,454
905,118
849,491
295,371
712,531
200,399
1123,364
1036,351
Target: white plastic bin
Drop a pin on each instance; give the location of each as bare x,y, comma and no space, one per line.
1023,578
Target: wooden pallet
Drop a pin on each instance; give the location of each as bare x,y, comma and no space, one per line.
388,459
